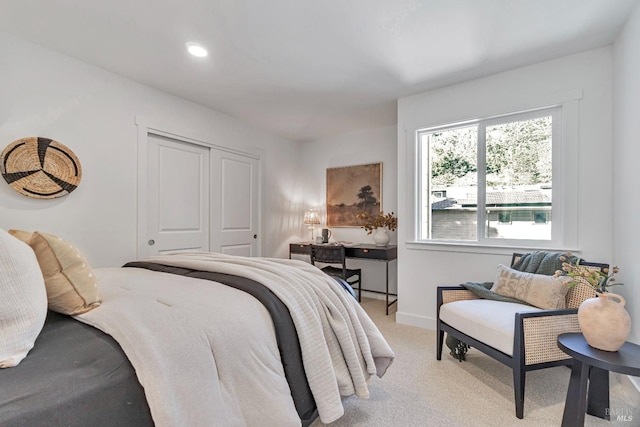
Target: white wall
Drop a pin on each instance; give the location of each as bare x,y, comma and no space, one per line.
92,112
369,146
626,174
421,271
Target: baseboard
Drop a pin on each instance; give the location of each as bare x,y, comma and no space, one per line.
414,320
373,295
635,381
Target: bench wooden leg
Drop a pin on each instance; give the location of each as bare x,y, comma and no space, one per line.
440,340
518,388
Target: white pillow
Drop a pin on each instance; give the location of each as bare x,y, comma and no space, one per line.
23,300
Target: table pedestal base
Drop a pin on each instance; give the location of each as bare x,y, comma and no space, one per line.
588,392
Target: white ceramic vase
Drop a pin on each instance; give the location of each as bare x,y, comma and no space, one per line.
381,237
604,322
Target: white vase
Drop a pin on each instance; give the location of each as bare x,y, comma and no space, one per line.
381,237
604,322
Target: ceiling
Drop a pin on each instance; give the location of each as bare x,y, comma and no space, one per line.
310,69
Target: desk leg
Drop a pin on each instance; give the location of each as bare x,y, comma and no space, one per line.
386,266
575,405
598,403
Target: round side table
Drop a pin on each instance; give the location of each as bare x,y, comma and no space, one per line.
590,371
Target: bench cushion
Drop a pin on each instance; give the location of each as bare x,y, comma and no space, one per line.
490,322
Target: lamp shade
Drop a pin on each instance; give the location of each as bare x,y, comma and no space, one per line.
311,217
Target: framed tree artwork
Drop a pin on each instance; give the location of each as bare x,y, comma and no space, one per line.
352,190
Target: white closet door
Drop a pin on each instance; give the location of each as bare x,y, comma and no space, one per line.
235,218
177,192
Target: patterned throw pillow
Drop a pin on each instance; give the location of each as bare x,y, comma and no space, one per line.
545,292
72,288
23,300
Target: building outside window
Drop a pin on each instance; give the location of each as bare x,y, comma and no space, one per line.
489,180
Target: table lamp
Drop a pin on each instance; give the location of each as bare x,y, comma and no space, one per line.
311,218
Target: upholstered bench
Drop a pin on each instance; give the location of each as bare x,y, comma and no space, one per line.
491,322
518,335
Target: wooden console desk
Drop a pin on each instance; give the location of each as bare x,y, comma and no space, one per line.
362,251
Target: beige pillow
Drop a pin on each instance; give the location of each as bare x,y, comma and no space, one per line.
23,300
546,292
72,287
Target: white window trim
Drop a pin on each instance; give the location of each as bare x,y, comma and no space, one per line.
565,198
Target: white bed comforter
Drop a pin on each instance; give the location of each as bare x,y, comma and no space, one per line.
208,356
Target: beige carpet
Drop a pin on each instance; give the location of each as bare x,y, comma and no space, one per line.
418,390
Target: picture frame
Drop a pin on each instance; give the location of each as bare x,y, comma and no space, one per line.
352,190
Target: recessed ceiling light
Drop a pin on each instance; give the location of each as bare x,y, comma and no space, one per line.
196,50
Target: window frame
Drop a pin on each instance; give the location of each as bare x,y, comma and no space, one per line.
565,124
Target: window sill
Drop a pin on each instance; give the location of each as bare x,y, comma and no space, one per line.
478,248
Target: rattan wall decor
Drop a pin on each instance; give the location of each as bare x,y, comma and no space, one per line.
40,168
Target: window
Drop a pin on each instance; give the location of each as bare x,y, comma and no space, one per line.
489,181
504,217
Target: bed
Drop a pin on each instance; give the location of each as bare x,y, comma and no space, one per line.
199,339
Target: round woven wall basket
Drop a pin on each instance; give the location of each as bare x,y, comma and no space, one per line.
40,168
